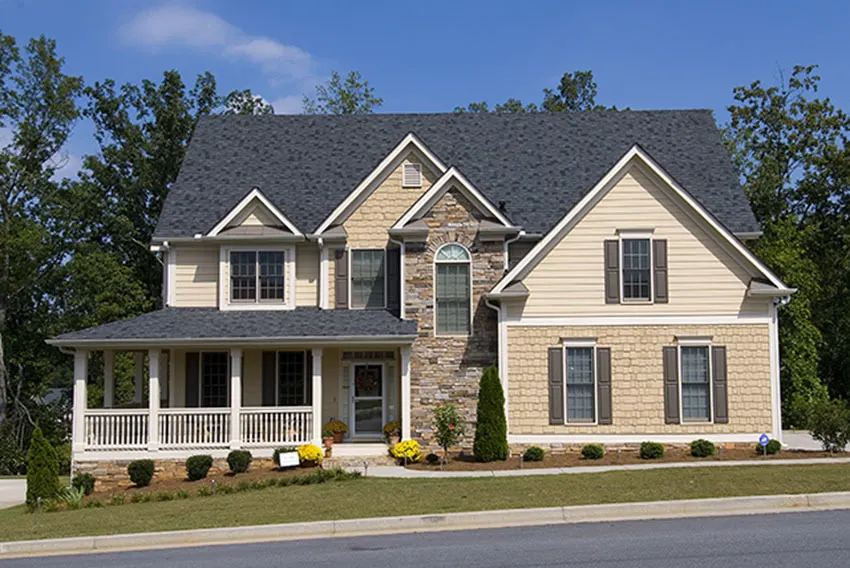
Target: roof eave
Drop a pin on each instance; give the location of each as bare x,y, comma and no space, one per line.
233,341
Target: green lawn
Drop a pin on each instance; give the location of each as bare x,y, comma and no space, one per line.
373,497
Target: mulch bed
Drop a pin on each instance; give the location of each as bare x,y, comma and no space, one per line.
466,462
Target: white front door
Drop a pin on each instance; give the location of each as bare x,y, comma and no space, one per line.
367,400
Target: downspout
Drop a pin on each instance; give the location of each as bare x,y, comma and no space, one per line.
323,273
400,276
501,364
508,242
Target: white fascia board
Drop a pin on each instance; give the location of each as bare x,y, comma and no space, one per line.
440,187
353,340
252,195
409,140
582,207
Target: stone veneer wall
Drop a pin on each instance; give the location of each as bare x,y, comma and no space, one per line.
447,369
114,473
637,384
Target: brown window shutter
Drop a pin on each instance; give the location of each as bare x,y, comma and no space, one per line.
721,391
612,272
193,379
341,280
603,384
394,281
556,385
269,378
659,258
671,385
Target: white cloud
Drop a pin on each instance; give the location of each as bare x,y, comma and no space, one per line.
67,165
293,104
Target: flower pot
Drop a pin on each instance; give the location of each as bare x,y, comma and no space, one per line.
394,439
329,441
338,437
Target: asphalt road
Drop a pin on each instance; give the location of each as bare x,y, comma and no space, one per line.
777,541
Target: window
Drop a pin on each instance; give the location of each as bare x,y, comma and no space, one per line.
368,275
580,380
696,383
214,379
292,379
257,276
411,175
636,269
453,290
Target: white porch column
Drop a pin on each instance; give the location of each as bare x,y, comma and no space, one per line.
405,392
235,397
153,400
108,378
317,396
81,370
138,394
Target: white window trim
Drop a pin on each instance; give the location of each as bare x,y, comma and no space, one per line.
637,234
351,277
580,343
434,287
201,377
695,341
405,183
305,378
224,291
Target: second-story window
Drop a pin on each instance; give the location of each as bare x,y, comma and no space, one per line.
368,278
453,290
637,273
257,276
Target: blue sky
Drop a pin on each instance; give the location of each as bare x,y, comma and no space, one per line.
431,56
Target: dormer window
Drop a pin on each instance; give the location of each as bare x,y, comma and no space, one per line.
411,175
257,278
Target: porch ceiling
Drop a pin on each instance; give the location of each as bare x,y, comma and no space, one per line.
188,326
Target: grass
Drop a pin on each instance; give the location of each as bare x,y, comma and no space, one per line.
374,497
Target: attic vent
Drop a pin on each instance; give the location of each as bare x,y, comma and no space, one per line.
411,175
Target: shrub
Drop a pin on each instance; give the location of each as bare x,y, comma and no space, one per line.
63,454
773,447
197,467
277,452
592,451
830,424
702,448
93,504
534,454
242,486
432,458
491,427
42,470
392,428
182,494
651,451
164,496
336,427
72,497
116,500
140,497
204,491
408,450
239,460
141,472
449,426
51,505
225,489
309,454
84,481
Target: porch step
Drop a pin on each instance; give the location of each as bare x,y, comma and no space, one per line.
354,454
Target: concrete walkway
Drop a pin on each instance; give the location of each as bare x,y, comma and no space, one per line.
12,492
800,440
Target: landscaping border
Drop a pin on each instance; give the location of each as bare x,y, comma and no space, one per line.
428,523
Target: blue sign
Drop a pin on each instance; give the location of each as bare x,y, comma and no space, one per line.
763,440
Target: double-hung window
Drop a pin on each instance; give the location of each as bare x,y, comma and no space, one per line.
257,276
696,382
452,271
215,375
580,381
292,385
368,278
636,269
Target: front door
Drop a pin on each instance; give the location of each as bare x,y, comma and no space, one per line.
368,399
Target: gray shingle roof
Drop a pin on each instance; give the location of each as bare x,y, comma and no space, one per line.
539,164
212,323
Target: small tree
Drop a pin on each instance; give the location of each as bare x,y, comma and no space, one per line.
491,429
42,470
830,424
449,427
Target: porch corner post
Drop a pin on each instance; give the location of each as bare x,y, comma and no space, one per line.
153,400
405,393
81,371
108,378
235,397
317,396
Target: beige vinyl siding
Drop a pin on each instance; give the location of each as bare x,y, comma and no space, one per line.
704,279
307,275
256,214
367,225
196,276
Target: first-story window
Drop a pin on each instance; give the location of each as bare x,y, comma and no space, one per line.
257,276
636,271
368,276
214,379
292,380
581,383
696,383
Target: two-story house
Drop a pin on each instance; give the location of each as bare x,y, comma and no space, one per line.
368,268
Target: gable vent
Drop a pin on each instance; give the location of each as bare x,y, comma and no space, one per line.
411,175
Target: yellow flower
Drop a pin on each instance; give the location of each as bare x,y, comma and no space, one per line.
408,449
309,453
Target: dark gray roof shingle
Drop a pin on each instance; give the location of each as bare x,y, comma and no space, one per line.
539,164
212,323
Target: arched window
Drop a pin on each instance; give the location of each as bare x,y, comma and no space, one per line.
453,292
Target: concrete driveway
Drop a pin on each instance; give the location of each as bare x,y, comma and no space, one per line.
12,492
800,440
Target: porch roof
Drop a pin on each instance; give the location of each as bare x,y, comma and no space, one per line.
187,326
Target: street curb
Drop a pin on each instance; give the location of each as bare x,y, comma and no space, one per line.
427,523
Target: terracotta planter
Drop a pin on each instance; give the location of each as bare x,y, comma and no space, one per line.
338,437
329,441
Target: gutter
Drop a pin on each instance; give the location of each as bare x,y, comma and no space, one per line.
236,341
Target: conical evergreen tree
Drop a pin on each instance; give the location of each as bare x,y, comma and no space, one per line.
42,469
491,429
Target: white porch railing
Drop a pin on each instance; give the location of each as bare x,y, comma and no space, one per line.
264,426
184,428
116,429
